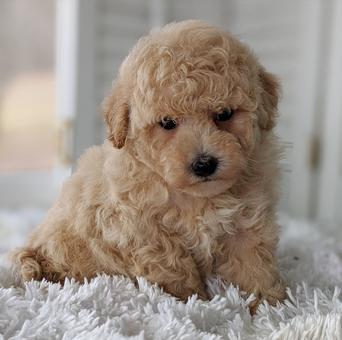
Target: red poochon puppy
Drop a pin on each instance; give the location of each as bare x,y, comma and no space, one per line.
186,185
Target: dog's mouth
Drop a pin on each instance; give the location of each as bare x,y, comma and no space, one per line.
207,187
204,180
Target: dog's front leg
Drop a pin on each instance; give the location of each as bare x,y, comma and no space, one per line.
167,262
248,260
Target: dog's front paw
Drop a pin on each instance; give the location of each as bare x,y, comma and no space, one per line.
186,294
277,293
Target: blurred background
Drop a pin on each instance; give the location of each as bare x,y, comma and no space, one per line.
58,59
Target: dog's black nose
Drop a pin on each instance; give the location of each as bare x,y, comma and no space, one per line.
204,166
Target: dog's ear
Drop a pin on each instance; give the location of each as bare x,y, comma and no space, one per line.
270,93
116,114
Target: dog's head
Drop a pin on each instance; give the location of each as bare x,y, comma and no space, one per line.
193,104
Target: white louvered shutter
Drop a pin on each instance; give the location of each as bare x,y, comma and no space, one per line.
329,193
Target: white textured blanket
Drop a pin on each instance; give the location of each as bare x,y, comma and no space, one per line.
113,308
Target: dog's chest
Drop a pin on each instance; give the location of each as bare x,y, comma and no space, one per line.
200,227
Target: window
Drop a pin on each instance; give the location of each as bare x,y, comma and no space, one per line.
28,118
27,86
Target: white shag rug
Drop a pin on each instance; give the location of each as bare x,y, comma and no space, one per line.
113,308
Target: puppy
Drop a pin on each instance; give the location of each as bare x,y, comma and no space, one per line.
185,187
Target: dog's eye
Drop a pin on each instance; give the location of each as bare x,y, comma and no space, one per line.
223,116
168,124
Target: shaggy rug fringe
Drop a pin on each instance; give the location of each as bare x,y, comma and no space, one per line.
114,308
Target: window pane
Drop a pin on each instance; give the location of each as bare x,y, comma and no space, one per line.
27,85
